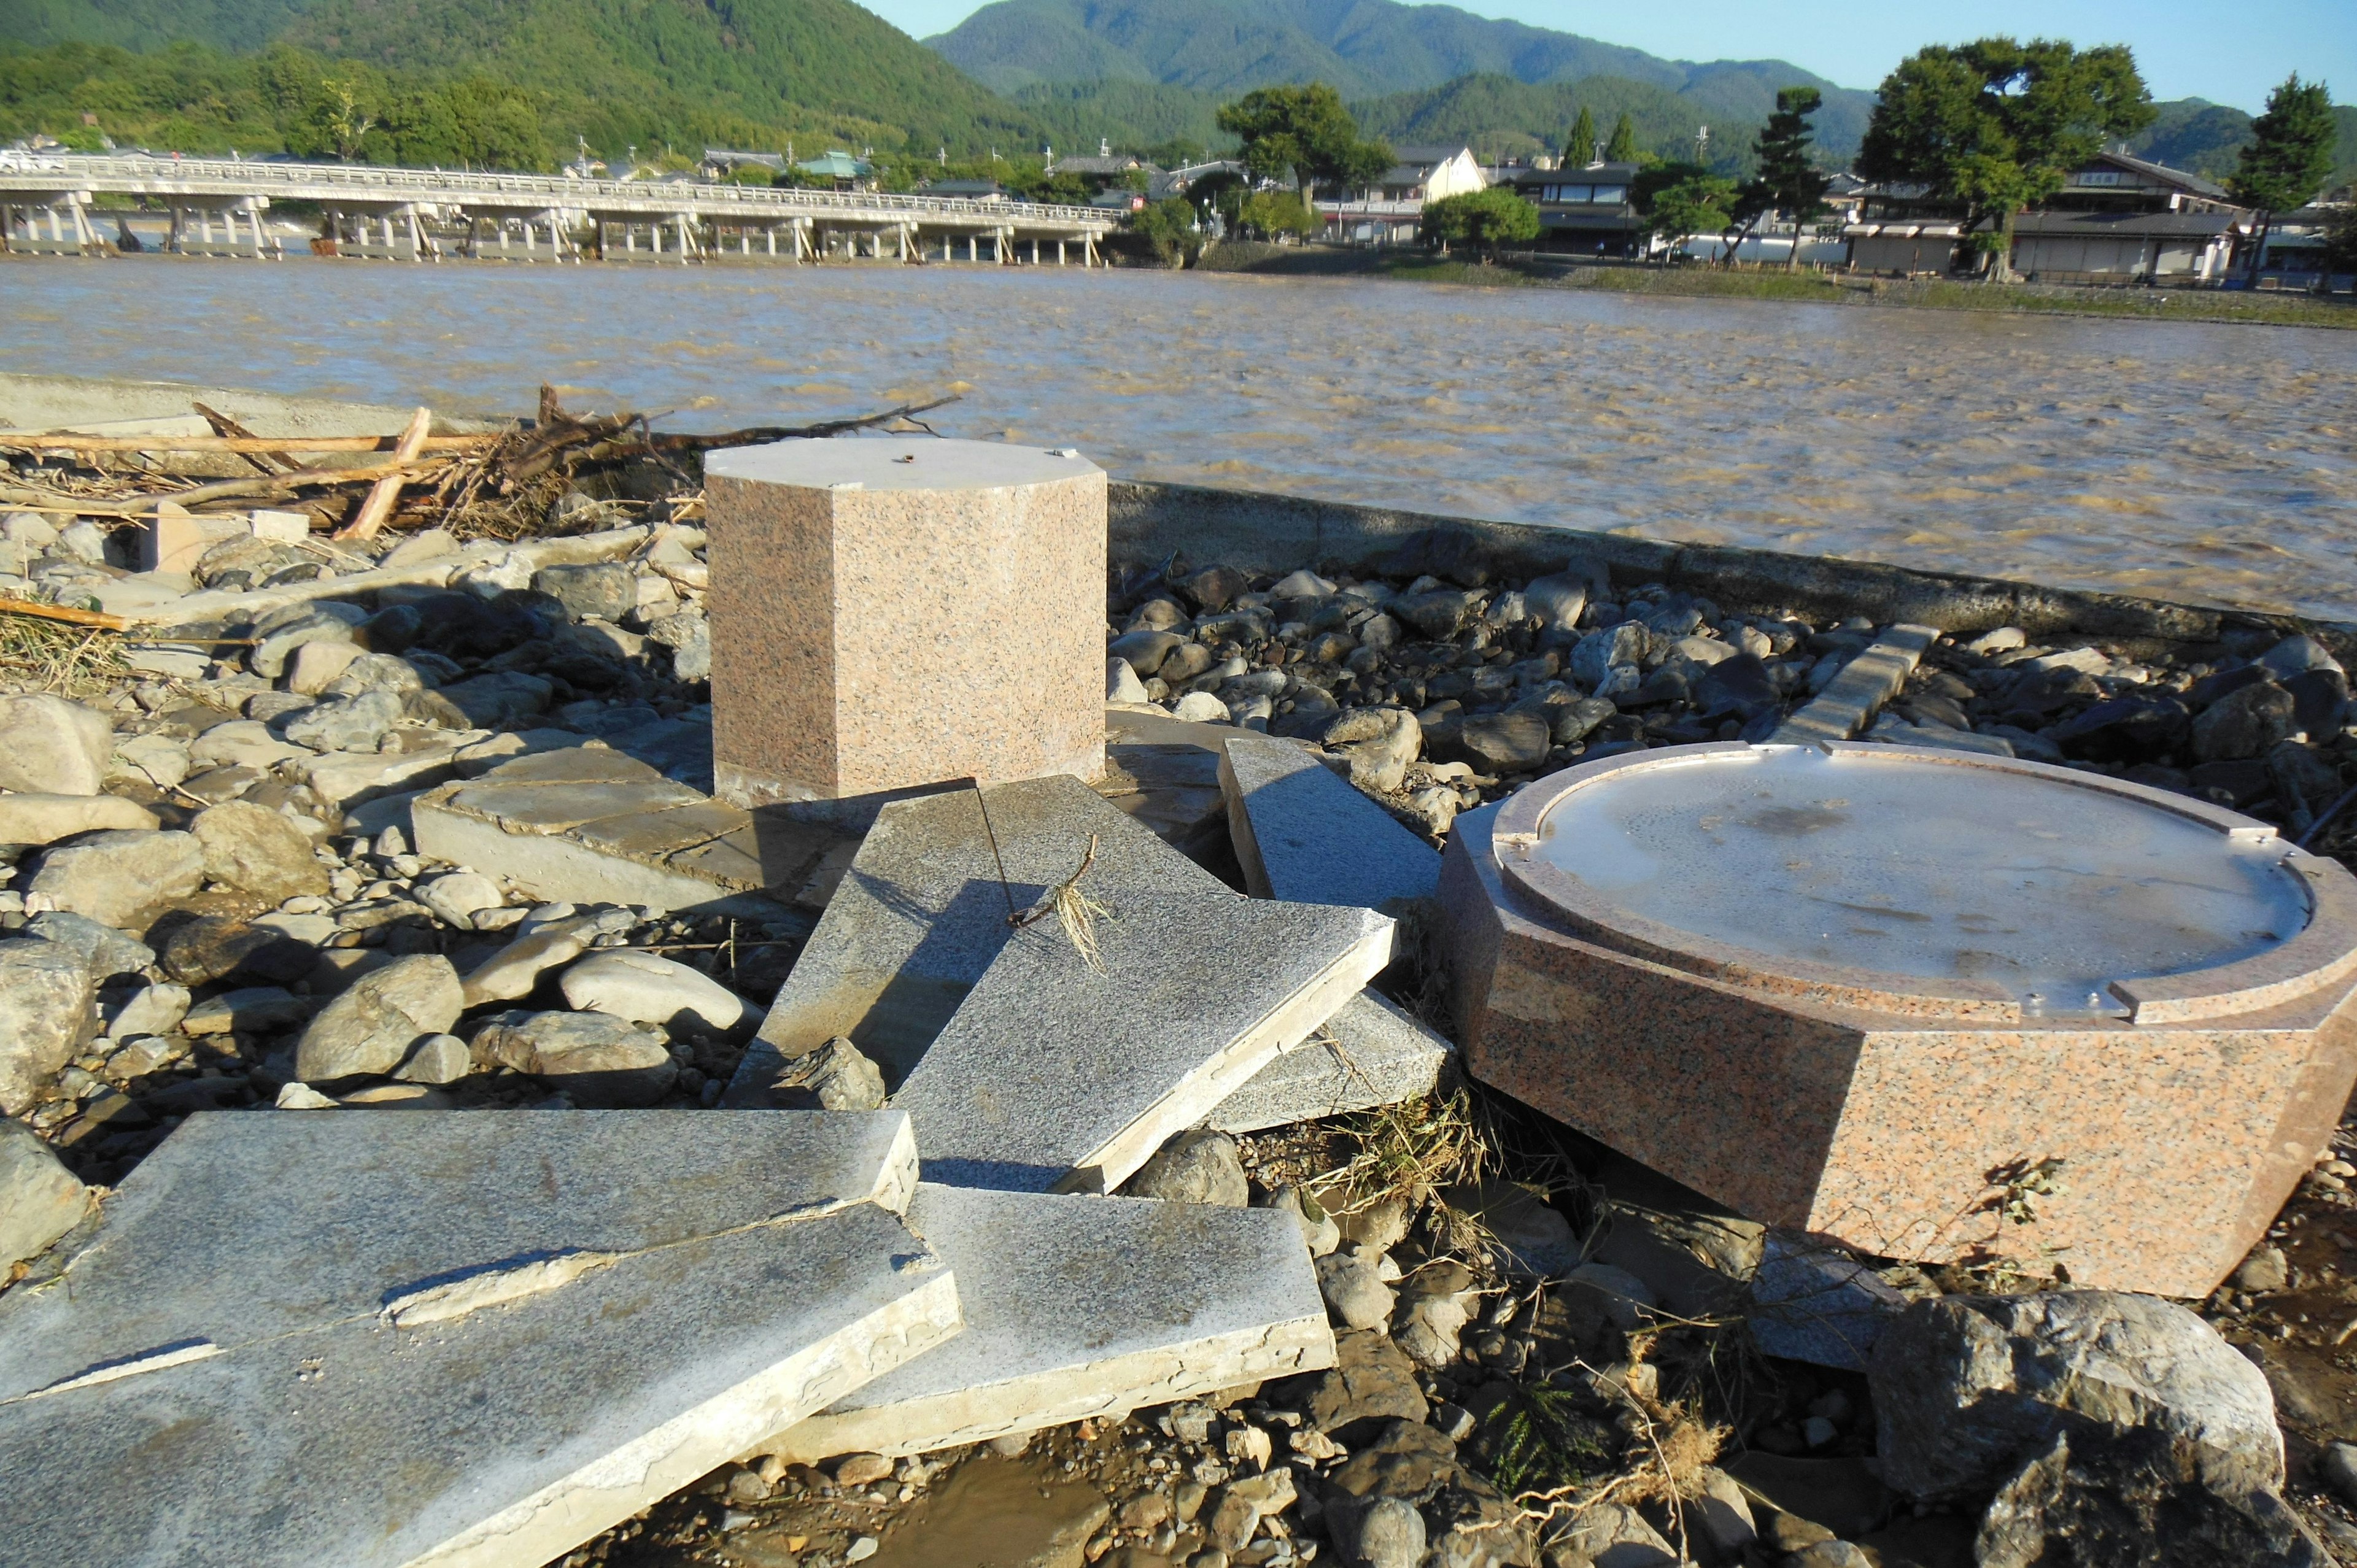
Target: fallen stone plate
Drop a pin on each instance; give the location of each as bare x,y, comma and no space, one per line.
1303,831
921,915
445,1338
1064,1070
1079,1307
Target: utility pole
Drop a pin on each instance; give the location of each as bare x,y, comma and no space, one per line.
1702,144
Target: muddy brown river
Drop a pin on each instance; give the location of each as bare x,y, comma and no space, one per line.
2211,463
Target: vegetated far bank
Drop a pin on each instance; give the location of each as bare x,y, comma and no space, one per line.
1819,288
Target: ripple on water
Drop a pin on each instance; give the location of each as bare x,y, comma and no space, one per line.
2189,461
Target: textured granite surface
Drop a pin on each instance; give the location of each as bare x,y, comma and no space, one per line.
1899,1134
1056,1073
1368,1053
293,1381
1083,1306
1303,833
889,614
921,915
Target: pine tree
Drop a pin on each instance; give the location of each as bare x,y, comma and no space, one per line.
1579,147
1787,181
1623,146
2289,157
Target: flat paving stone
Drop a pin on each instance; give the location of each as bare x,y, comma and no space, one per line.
1368,1053
1303,833
921,915
445,1336
1078,1307
1060,1073
585,824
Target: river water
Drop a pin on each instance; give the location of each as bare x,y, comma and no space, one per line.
2210,463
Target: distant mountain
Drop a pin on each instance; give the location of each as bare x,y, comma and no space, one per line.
618,70
1367,48
1501,117
2208,138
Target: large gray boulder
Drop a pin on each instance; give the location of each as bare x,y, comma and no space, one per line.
116,878
370,1028
53,746
2138,1497
254,848
1969,1389
40,1199
45,992
104,951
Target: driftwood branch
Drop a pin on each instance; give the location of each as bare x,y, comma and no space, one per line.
261,462
387,491
278,484
70,616
30,441
796,433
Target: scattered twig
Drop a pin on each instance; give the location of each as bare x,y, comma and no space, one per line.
223,426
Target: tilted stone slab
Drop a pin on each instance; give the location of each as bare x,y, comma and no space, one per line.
445,1338
591,825
921,914
1079,1307
1065,1071
1305,833
1368,1053
1852,698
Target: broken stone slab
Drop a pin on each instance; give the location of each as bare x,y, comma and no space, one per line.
447,1337
347,778
1852,697
1165,772
1078,1307
592,825
1302,832
920,914
1066,1070
1370,1053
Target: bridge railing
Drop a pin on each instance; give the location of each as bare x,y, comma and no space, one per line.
371,181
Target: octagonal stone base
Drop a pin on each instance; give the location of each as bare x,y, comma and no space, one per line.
1904,1136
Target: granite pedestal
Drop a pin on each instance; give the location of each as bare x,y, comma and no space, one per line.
888,613
2139,1126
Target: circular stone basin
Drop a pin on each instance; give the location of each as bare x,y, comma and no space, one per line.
1936,875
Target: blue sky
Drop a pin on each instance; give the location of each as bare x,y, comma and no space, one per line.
2227,54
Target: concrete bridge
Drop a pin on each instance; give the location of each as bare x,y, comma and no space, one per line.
60,204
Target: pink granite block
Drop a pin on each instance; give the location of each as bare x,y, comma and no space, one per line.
891,613
1888,1121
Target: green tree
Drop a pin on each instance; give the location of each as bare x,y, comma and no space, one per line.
1788,181
1697,204
1304,131
2289,158
1579,147
1622,148
1169,226
1998,126
1488,219
1276,213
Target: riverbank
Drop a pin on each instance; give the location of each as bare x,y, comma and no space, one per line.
1808,288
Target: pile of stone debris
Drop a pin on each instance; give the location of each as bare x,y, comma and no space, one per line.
443,843
1443,694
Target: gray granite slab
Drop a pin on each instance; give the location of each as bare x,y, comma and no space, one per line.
921,914
1368,1053
1817,1304
1852,697
1083,1306
456,1337
1056,1073
1303,833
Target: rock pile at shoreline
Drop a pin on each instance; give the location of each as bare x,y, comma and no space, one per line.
217,906
1439,694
